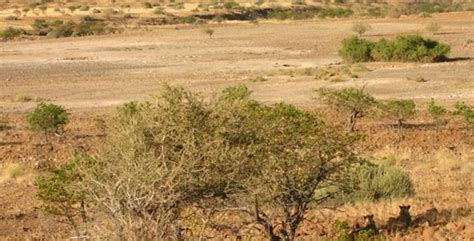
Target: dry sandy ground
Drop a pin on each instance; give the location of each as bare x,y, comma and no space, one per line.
90,74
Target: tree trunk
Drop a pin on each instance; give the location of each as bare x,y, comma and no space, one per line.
351,121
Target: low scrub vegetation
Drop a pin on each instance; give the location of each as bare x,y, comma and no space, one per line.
405,48
465,110
11,33
374,182
59,29
47,118
437,112
159,158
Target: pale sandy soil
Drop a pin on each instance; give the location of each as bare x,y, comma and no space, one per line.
89,72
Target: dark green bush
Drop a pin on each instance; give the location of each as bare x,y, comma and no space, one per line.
47,117
417,49
355,49
405,48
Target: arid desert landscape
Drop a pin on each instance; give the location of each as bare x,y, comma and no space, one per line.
154,52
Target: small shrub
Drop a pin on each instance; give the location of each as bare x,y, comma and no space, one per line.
11,33
360,28
231,5
147,5
86,28
72,8
41,26
399,110
23,98
259,79
209,32
467,111
62,30
33,5
43,9
47,117
125,6
17,13
437,112
159,11
420,80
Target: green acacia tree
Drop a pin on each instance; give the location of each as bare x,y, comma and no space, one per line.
47,118
61,196
354,103
302,157
400,110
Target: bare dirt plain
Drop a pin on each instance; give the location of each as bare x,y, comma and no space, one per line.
89,75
